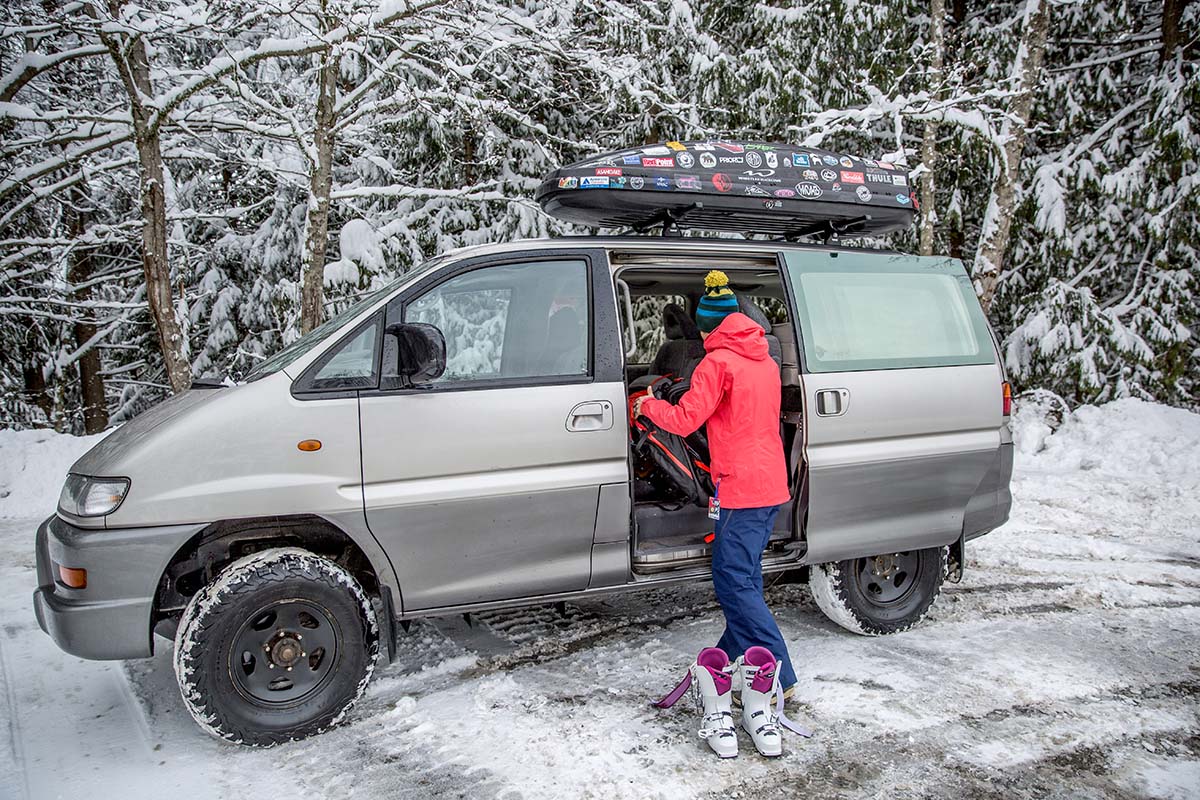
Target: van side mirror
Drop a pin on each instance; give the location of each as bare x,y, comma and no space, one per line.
420,352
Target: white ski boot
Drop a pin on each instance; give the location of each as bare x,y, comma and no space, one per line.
714,679
711,678
757,680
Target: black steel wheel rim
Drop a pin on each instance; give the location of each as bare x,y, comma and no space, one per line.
887,581
284,653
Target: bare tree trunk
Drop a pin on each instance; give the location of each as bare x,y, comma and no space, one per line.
1172,33
134,68
997,220
316,223
937,40
91,378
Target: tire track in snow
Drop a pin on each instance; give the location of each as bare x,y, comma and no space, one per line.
14,774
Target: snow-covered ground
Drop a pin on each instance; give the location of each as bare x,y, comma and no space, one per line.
1067,662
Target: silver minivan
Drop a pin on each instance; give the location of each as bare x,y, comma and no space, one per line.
459,441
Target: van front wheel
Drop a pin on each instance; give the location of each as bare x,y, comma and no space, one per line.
882,594
278,647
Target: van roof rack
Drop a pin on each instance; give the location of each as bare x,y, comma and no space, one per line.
779,190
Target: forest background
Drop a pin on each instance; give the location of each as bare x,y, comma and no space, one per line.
186,187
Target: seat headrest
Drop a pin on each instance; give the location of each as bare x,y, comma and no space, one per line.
677,324
563,324
751,310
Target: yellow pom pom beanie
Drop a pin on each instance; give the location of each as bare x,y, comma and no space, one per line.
718,301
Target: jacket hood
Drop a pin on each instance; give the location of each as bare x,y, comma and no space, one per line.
739,334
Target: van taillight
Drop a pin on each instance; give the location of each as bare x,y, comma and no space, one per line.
1007,398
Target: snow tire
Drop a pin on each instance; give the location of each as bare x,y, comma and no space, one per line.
214,625
839,594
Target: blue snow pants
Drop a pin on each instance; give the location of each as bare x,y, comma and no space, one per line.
742,535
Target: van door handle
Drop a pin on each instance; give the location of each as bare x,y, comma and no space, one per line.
832,402
593,415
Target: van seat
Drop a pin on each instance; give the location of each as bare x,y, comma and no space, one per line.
790,364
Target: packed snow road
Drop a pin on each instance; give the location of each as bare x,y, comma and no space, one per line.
1067,662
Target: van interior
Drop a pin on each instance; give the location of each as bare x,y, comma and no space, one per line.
672,531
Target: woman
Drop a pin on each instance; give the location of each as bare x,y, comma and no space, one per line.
735,389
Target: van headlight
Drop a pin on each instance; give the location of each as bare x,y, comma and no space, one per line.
83,496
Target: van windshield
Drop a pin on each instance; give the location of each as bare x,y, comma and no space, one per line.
330,326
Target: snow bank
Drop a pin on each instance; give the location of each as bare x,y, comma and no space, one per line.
32,467
1126,438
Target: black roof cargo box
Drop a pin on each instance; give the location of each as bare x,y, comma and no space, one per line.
746,187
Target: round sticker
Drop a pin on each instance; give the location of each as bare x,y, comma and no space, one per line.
708,160
754,159
685,160
846,162
721,182
809,191
864,194
828,175
637,182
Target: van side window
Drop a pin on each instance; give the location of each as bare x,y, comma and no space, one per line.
872,311
511,321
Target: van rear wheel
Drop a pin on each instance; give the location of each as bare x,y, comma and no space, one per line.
278,647
882,594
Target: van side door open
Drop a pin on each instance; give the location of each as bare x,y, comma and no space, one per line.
903,399
483,484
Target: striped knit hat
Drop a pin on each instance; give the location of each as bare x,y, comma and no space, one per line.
718,301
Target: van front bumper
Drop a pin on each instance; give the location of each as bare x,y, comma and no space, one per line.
110,618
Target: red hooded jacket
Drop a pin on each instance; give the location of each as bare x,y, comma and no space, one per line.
736,390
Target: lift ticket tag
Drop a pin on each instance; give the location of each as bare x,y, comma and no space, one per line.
714,508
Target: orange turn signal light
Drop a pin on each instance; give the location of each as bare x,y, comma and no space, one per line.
310,445
72,578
